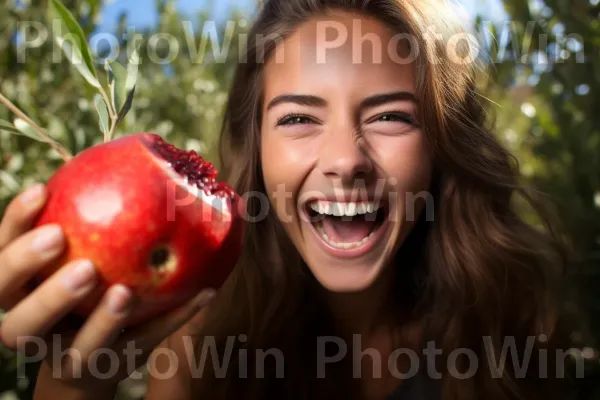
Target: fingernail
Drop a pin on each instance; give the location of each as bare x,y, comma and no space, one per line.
119,299
47,238
204,297
33,195
80,275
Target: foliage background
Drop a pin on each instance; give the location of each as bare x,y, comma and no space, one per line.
545,109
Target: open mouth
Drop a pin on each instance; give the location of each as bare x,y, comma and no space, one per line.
347,226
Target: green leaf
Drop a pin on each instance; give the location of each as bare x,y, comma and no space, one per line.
102,110
9,181
8,127
70,38
127,106
25,129
130,83
20,127
117,76
74,56
132,71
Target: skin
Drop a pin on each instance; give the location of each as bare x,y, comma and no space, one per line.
319,155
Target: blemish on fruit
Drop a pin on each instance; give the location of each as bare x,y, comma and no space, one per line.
162,260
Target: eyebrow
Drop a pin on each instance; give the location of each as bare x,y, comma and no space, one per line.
369,102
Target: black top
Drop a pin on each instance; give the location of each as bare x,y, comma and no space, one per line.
419,387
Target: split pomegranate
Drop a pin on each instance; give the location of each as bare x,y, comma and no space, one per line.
149,216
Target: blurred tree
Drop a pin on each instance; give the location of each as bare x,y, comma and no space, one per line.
185,67
545,78
545,63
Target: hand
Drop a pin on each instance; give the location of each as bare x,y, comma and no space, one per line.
35,317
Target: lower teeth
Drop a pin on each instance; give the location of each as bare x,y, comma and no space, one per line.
342,245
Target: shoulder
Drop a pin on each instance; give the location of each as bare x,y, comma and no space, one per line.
170,365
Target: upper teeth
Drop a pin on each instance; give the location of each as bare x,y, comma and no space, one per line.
340,209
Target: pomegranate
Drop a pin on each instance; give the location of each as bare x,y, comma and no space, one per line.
148,215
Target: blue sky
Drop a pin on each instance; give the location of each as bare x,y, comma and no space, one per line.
141,12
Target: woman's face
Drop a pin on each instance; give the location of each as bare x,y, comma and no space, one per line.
334,186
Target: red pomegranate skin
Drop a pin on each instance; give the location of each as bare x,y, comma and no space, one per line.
117,204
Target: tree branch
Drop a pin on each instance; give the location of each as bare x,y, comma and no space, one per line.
64,153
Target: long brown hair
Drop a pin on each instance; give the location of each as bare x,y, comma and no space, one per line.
478,269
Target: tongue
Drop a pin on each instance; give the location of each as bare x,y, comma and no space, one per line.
343,231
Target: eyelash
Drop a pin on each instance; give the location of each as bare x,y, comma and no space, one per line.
403,116
288,117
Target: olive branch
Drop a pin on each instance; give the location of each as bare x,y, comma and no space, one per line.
112,102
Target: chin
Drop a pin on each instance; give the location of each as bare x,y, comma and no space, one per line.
343,252
345,279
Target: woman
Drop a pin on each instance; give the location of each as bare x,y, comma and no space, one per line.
388,243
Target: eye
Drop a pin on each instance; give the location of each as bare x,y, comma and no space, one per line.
394,117
294,119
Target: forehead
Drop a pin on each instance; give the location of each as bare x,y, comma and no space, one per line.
338,52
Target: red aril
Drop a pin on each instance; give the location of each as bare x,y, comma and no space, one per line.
149,216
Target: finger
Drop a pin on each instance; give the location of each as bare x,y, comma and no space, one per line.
105,323
9,300
20,213
26,255
151,334
49,303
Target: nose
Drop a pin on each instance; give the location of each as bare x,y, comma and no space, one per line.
341,156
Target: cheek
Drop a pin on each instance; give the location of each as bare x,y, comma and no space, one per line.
285,167
287,158
407,159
